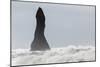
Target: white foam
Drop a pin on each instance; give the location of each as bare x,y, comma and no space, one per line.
55,55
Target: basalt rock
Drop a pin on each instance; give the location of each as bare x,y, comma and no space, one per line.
39,43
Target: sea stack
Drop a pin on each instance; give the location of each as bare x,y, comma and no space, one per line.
39,43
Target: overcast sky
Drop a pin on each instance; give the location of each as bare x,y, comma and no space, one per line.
65,24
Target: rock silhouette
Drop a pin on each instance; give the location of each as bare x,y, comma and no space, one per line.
40,42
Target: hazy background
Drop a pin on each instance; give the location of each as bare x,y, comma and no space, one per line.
65,24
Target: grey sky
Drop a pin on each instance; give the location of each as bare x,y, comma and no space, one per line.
65,24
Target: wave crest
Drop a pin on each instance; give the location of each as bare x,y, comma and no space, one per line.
55,55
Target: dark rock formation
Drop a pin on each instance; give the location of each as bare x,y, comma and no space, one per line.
40,42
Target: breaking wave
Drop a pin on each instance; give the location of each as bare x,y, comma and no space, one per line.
55,55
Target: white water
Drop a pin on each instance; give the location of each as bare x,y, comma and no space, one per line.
55,55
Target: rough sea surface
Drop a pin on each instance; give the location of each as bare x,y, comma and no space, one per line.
55,55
